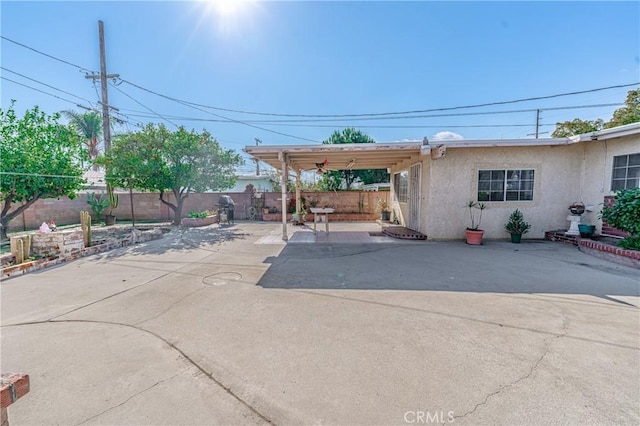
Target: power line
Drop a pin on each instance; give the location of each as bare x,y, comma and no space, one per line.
388,113
144,106
332,115
40,175
218,115
83,69
46,93
392,118
45,84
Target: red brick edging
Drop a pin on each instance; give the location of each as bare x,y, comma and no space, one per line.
14,387
610,252
596,248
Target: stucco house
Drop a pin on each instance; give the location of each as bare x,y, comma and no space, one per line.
432,183
261,183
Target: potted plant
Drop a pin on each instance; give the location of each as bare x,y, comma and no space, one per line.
114,201
383,208
586,230
300,216
517,226
474,233
265,210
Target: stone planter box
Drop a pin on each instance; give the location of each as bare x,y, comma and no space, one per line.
195,222
55,243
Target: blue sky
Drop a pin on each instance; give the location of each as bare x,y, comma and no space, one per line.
329,58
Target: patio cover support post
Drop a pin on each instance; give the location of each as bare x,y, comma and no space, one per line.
298,203
283,189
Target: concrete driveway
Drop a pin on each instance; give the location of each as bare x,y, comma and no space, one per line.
211,326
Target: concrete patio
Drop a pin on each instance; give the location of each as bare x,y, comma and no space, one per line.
227,326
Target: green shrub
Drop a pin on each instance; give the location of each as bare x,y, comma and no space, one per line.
631,243
197,215
624,214
97,203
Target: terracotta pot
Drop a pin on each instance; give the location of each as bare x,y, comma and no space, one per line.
474,237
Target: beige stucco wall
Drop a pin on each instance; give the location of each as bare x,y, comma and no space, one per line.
597,170
450,182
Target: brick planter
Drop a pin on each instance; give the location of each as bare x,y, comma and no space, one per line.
610,252
596,248
194,222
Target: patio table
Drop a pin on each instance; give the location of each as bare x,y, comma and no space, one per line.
318,211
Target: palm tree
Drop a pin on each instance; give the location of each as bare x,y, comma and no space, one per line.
89,127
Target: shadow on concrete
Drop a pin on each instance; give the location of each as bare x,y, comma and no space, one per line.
496,267
181,238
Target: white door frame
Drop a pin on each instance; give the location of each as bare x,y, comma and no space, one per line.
415,198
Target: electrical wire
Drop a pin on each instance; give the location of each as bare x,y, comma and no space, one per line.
144,106
39,175
46,93
536,98
45,84
226,118
331,115
83,69
353,122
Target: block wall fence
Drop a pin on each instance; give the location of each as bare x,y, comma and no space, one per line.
148,208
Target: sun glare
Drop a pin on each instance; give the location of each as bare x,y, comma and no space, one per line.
227,8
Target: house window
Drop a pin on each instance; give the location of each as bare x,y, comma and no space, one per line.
626,172
400,185
505,185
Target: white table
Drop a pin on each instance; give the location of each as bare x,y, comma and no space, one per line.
317,211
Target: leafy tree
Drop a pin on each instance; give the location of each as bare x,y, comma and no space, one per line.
334,179
88,126
39,158
178,162
576,127
629,113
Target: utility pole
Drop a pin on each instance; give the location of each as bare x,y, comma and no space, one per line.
258,142
103,76
537,122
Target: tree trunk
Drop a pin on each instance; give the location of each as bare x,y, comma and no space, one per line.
6,216
176,208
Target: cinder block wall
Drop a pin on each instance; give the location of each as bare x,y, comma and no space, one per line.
147,206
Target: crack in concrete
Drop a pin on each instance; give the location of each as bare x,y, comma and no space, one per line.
135,395
123,291
169,307
508,385
209,375
461,317
547,347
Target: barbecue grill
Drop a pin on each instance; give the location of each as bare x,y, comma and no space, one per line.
225,208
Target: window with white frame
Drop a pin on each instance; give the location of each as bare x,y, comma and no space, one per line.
400,186
626,172
505,185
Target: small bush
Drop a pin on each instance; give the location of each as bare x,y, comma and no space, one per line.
631,243
197,215
624,214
